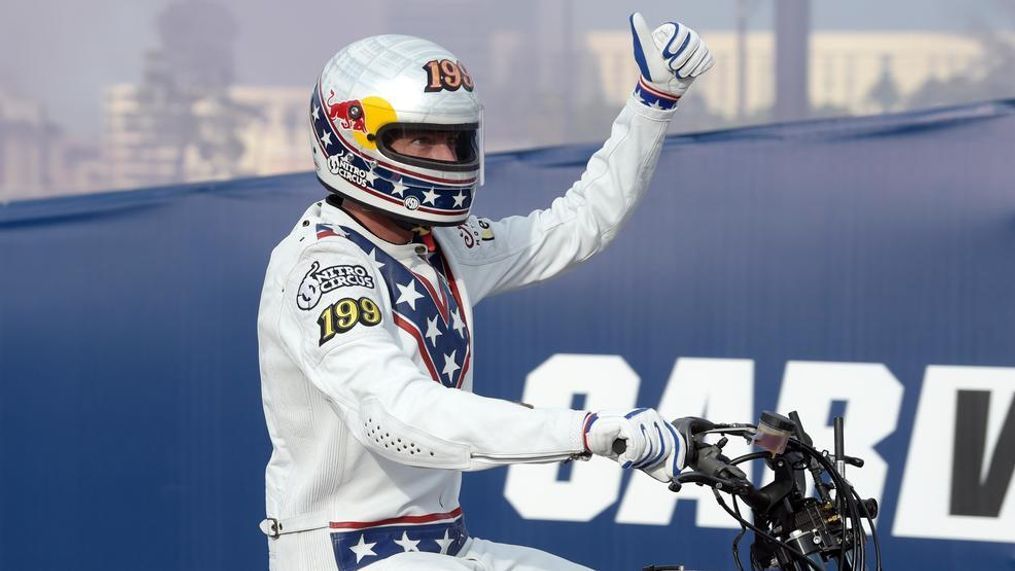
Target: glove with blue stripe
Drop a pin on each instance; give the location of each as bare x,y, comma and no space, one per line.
670,58
639,438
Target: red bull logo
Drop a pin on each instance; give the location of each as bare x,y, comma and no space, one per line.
348,114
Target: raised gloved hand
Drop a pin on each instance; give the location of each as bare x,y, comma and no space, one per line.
646,441
670,58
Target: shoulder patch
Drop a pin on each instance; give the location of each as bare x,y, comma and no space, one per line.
319,281
475,231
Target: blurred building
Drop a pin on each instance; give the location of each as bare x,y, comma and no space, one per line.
792,47
275,139
270,132
24,150
37,159
540,88
521,54
849,72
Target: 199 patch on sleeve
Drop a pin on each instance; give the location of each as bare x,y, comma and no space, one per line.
345,314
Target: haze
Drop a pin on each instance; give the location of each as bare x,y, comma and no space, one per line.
63,52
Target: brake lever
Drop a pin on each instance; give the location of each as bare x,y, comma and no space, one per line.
730,486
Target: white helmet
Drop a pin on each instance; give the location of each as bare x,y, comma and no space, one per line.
377,89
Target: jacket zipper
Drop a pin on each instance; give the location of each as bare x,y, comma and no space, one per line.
534,458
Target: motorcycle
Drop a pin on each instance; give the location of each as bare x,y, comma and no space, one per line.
793,530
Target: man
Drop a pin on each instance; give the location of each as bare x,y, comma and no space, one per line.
365,324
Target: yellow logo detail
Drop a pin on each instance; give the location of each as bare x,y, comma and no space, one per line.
377,112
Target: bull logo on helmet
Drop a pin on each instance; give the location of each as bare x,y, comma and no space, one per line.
349,114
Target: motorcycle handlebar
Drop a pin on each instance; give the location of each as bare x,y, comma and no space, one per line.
709,467
711,462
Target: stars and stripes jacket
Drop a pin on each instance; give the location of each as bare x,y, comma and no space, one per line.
366,347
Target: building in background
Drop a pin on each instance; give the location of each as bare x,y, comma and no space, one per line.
24,150
532,80
275,139
186,120
792,48
269,131
37,158
541,84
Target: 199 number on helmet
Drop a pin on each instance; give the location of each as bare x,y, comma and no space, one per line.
446,74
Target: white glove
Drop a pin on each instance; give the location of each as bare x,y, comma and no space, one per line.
670,57
650,443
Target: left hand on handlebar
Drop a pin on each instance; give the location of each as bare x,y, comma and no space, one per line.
640,439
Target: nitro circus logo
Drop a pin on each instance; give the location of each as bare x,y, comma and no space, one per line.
318,282
343,167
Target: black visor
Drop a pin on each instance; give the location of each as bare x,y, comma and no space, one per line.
440,147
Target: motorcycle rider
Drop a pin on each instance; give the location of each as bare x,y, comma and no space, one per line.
365,325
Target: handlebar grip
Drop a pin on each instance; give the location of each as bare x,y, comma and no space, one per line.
711,462
619,446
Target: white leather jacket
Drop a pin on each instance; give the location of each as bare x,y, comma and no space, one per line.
366,349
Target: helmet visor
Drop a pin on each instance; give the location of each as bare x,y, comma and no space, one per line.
440,147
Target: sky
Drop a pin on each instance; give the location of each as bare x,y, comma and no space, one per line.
63,52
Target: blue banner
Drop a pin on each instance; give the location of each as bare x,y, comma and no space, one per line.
862,267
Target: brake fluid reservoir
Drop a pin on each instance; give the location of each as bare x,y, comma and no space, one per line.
773,433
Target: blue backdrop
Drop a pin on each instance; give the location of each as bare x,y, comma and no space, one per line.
131,431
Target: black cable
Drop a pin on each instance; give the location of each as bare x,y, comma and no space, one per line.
736,540
842,506
789,548
860,536
750,456
847,508
844,493
846,498
874,532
